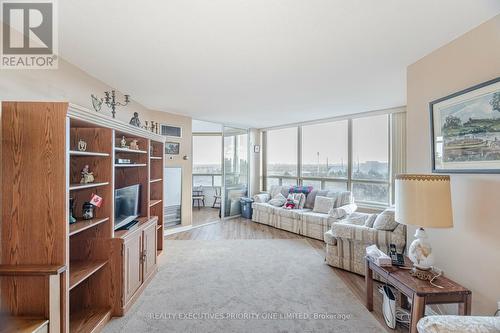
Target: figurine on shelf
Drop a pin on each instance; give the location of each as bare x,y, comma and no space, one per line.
135,120
82,145
87,176
88,211
134,145
123,142
71,209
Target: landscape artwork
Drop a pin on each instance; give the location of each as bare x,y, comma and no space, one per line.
466,130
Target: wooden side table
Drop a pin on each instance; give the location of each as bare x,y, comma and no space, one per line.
421,292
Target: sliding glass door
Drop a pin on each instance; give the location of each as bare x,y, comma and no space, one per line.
235,169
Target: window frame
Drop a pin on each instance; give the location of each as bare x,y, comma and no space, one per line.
349,180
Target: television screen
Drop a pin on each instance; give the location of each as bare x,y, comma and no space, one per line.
126,205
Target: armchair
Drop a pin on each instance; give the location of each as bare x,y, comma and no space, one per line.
347,240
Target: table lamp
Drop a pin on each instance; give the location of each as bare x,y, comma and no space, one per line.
423,201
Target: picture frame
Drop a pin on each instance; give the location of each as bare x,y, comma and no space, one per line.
465,130
172,148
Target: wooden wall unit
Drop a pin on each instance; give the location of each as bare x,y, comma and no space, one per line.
40,170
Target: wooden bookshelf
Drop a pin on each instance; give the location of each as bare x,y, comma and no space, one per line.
92,288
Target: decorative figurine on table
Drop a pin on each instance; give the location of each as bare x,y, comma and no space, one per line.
123,142
88,211
134,145
87,176
135,120
72,219
82,145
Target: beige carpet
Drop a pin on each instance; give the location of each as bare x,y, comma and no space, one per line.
274,285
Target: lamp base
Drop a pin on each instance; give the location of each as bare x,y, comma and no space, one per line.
422,274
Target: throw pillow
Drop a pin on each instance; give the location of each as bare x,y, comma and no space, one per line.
278,200
385,220
300,198
300,189
323,204
343,198
311,197
370,220
343,211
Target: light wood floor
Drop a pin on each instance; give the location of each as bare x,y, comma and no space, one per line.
240,228
205,215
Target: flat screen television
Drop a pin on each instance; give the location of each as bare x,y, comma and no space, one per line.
126,205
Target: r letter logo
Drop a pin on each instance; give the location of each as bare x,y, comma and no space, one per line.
28,35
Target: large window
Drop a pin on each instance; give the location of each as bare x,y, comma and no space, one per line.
337,155
370,151
207,165
282,153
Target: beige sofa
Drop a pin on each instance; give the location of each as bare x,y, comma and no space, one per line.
347,240
300,221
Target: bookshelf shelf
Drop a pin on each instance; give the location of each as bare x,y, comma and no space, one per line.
76,187
81,225
79,271
87,153
130,151
134,165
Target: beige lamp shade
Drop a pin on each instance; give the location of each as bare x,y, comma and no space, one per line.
423,200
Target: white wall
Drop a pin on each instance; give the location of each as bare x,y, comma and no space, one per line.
71,84
469,252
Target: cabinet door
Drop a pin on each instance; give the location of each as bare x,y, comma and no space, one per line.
132,265
149,259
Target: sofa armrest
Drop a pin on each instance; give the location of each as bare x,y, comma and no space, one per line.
369,236
262,197
343,211
439,324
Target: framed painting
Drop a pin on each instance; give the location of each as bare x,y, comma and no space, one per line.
172,148
465,130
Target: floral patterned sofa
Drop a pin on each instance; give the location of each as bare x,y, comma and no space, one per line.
302,221
347,240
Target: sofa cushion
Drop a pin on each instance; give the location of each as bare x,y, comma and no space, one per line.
323,204
278,200
289,213
263,207
317,218
385,220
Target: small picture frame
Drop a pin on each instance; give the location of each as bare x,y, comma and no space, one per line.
172,148
256,148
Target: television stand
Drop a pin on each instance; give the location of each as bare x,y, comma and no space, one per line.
129,225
